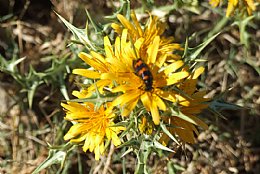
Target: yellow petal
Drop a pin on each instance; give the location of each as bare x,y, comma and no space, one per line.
102,148
231,6
108,48
95,62
125,22
146,100
123,39
74,131
118,29
82,94
173,67
125,98
99,85
159,102
176,77
155,113
198,72
138,45
214,3
127,109
115,140
117,76
137,25
87,73
117,47
160,61
72,106
78,140
153,50
250,5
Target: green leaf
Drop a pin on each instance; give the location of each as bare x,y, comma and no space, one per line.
219,26
133,143
127,152
182,116
242,24
93,100
31,92
98,28
54,157
162,147
124,9
12,65
197,50
63,88
173,168
57,154
165,130
79,34
220,105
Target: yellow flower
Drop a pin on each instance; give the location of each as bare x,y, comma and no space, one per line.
214,3
236,4
118,70
98,66
161,76
153,28
145,126
92,126
181,127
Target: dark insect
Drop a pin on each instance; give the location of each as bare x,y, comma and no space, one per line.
142,70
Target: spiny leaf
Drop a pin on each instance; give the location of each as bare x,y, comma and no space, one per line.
98,28
165,130
80,34
11,66
160,146
127,152
242,24
124,9
54,157
220,105
197,50
184,117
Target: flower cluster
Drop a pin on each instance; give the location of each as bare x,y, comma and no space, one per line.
240,5
147,79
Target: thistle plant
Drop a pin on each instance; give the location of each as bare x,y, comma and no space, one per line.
141,93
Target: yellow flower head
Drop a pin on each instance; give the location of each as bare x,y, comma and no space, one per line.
92,126
140,64
236,4
152,29
145,78
185,128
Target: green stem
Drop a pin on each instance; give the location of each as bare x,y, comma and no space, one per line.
220,25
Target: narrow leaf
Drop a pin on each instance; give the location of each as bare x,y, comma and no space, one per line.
54,157
79,34
197,50
160,146
165,130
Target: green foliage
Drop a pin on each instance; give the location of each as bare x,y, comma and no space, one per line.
30,81
55,157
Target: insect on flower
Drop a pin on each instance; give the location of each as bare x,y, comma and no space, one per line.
142,70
